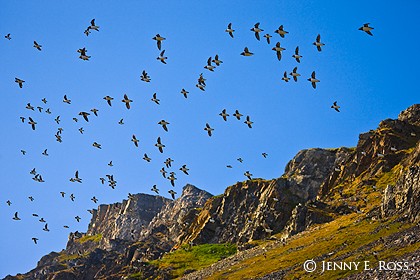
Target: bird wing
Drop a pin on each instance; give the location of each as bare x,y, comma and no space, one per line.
278,55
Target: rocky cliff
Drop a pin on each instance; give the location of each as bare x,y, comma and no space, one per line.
375,184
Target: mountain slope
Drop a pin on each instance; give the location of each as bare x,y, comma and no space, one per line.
345,204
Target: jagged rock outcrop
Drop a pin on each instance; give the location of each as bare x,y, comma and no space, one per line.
256,209
127,219
175,216
404,197
304,216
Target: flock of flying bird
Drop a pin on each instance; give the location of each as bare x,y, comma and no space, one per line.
212,63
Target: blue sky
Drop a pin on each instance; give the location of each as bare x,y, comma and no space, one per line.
372,78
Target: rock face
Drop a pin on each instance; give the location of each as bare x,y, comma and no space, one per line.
404,197
256,209
116,221
175,216
317,185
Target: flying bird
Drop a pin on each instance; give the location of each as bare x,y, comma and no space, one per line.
172,178
94,199
29,107
23,152
155,99
248,175
296,55
164,124
8,36
135,140
224,115
58,138
285,78
246,52
237,114
208,129
37,46
313,79
19,82
228,30
77,218
146,158
81,130
159,145
83,54
318,43
168,162
66,100
145,77
184,92
264,155
278,50
209,66
62,194
127,101
366,28
294,74
216,60
281,31
46,228
201,80
44,100
84,115
16,218
94,111
48,111
267,36
335,106
22,119
173,193
108,99
8,202
110,164
45,153
248,122
96,145
39,108
76,177
155,189
256,29
159,40
184,169
32,123
121,122
201,87
163,172
162,58
72,197
35,240
93,26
